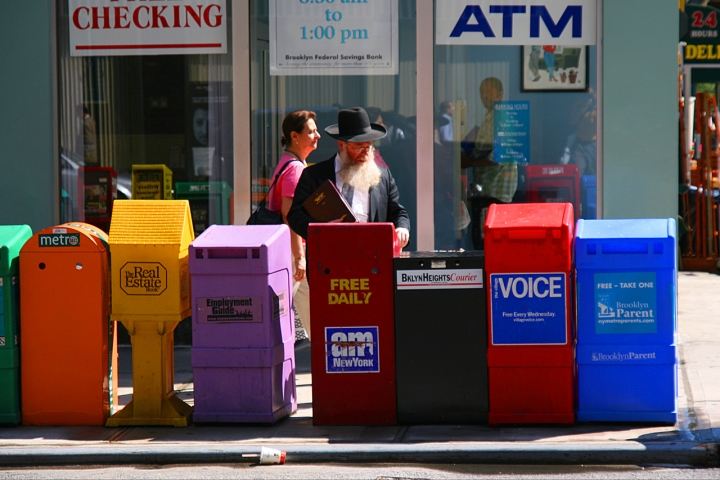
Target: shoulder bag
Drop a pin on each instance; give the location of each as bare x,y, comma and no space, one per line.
264,216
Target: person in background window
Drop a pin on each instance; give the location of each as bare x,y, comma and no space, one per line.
451,214
447,109
395,134
375,116
90,156
583,152
492,182
300,138
549,55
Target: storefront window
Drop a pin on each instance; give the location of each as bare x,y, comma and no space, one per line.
514,122
145,97
331,73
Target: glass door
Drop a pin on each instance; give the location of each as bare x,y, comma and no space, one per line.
389,97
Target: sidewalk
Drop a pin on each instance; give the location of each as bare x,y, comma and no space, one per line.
692,441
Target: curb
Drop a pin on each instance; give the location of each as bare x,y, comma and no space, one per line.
622,453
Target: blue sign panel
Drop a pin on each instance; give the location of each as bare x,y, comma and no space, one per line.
528,308
625,302
512,132
352,350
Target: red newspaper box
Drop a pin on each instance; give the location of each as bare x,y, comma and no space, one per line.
353,329
554,184
99,190
528,260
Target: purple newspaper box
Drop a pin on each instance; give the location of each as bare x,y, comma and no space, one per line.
243,354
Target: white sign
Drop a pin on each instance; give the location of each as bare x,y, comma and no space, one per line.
352,350
333,37
515,22
142,27
439,279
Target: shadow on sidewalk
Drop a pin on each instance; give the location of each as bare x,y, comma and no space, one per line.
299,427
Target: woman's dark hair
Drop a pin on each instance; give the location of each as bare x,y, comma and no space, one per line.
295,122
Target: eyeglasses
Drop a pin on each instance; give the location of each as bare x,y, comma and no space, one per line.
358,147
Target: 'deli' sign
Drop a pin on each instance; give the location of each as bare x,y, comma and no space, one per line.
703,38
141,27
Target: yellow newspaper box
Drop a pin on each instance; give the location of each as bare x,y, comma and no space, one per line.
149,242
151,182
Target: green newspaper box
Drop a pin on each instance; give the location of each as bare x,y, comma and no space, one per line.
12,238
210,203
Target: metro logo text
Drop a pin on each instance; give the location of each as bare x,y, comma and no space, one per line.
59,240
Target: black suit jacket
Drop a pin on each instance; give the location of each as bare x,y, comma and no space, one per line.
384,198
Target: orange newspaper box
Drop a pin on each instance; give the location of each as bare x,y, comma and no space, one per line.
67,341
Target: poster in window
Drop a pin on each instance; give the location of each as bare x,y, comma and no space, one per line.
554,68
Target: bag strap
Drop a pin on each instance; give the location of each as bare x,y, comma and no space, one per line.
277,177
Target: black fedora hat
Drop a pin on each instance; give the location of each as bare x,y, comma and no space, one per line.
354,126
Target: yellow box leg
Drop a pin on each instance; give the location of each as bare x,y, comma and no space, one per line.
154,401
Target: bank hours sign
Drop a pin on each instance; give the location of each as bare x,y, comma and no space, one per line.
333,37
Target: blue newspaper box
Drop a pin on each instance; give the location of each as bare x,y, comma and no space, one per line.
626,319
588,196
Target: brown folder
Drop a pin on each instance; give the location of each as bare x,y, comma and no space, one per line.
327,204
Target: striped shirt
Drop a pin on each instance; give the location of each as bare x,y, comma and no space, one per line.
499,180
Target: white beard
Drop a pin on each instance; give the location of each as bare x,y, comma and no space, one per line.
362,176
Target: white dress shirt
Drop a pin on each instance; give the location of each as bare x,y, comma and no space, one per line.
361,200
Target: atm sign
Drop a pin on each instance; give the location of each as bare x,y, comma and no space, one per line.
59,239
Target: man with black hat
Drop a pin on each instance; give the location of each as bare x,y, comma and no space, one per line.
370,190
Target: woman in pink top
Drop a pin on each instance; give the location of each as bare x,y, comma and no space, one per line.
300,138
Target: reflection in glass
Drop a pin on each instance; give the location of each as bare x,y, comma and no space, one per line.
389,100
469,79
173,111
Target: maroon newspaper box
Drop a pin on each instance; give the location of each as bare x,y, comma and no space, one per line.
98,187
350,268
554,184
